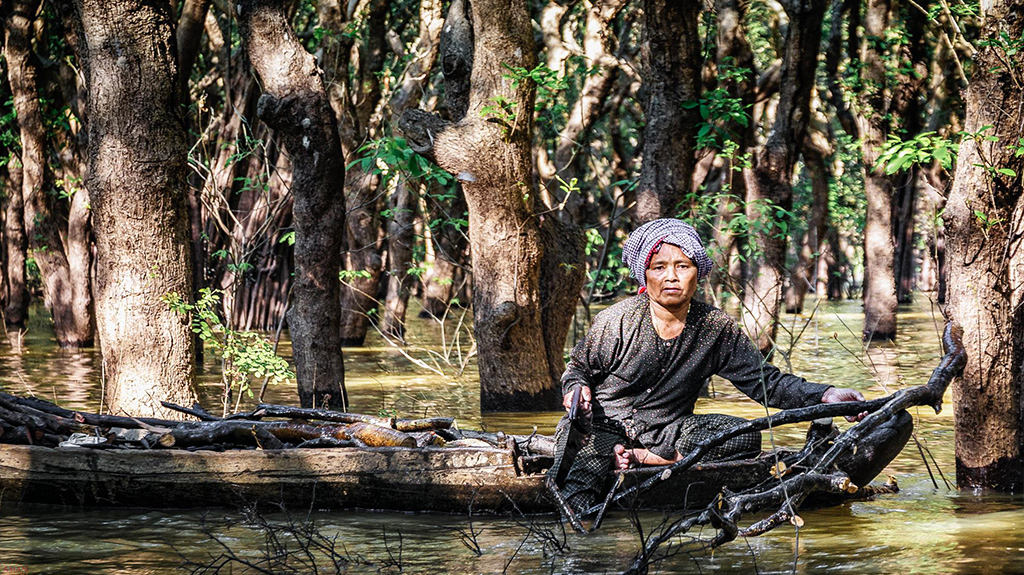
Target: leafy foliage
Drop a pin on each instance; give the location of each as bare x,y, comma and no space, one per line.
927,147
391,157
247,355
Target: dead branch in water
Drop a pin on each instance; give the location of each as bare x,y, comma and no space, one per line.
789,492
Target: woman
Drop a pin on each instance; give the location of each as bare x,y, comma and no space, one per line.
645,360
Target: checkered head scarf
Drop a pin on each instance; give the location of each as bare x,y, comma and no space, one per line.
645,241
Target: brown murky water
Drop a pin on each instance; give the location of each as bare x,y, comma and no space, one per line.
922,529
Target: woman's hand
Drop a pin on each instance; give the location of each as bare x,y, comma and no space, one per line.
625,458
838,395
584,400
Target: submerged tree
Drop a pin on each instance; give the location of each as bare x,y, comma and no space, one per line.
769,185
671,69
488,150
879,282
137,178
294,103
69,302
985,251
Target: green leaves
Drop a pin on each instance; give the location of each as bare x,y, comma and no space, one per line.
349,275
1018,150
987,222
719,111
392,157
927,147
247,355
549,86
502,111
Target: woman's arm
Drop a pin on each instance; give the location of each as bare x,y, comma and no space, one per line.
626,458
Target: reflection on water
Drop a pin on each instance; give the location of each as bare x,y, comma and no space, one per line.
919,530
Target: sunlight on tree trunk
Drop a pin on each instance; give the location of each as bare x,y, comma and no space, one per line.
137,182
985,250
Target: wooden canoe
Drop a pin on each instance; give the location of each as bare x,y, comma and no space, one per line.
431,479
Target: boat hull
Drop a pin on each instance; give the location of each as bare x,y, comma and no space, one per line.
449,480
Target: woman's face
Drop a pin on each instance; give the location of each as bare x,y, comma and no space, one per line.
671,277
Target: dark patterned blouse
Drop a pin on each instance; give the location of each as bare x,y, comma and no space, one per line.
647,383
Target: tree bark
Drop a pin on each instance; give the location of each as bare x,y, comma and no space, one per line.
294,103
489,152
769,185
137,179
879,281
671,63
41,226
816,152
405,198
16,300
733,50
355,103
189,33
985,251
598,41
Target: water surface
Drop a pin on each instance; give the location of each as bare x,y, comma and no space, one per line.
923,529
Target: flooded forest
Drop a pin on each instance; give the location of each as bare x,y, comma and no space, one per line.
404,214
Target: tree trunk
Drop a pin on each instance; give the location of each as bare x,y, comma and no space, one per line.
489,151
598,41
944,118
405,199
41,226
355,102
137,182
189,33
904,216
984,218
837,266
879,280
769,186
816,152
294,103
733,50
79,242
833,57
73,150
191,24
401,240
562,276
671,56
450,241
449,244
364,260
906,105
16,300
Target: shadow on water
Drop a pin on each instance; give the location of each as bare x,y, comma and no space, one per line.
919,530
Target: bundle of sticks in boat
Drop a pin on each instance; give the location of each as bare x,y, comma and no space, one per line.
32,421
